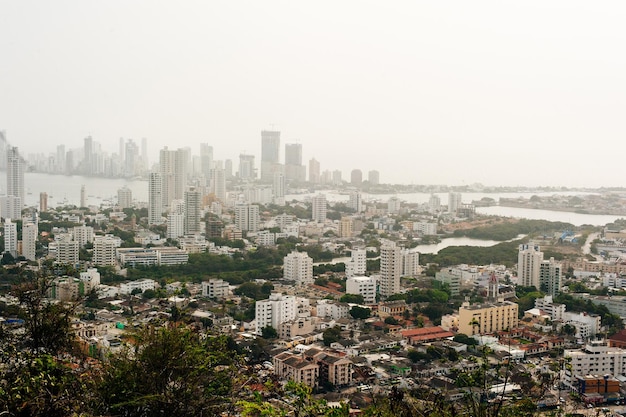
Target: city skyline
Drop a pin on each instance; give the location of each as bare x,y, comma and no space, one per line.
456,94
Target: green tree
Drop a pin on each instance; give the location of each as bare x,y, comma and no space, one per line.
360,312
352,298
268,332
331,335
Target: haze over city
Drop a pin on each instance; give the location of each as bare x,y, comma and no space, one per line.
428,93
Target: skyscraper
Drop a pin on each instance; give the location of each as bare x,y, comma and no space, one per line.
218,183
294,170
454,202
390,268
88,157
10,237
246,167
193,211
29,240
83,196
356,177
373,177
318,203
15,174
314,171
355,201
124,197
270,149
174,167
550,277
206,160
278,188
155,198
247,217
529,261
43,202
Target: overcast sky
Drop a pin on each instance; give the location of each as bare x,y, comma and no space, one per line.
501,92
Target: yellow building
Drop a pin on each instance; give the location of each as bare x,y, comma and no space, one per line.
487,318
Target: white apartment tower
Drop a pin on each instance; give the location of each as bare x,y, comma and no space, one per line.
10,237
175,225
83,234
356,201
393,205
124,198
298,267
319,208
104,251
434,203
365,286
410,262
357,264
218,183
15,174
67,252
529,261
155,198
550,277
277,309
390,268
278,188
247,217
454,202
29,240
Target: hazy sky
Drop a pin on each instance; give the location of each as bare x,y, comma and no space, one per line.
455,92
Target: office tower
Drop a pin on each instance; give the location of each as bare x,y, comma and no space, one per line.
390,268
434,203
29,240
278,188
373,177
218,183
193,211
294,170
60,163
83,196
124,197
43,202
83,234
318,212
130,160
155,198
270,148
337,180
174,167
314,171
206,161
454,202
88,156
10,237
246,167
550,277
15,174
104,251
298,267
393,205
356,177
355,201
10,207
529,261
247,217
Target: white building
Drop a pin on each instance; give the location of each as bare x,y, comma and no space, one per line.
425,228
83,234
10,207
10,237
247,217
550,277
411,262
124,197
318,203
104,250
67,251
357,265
528,265
587,325
331,309
454,202
175,225
215,288
596,358
365,286
277,309
390,268
155,198
393,205
193,211
546,304
355,201
141,284
279,188
298,267
90,278
434,203
15,174
29,240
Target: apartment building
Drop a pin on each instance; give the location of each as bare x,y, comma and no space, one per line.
487,318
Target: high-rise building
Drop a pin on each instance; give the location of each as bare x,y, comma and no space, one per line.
337,178
487,318
355,201
59,160
247,217
29,240
365,286
294,170
277,309
357,264
278,188
218,183
454,202
15,174
144,152
246,167
104,251
193,211
314,171
131,158
550,277
88,156
390,268
298,267
270,149
529,261
356,177
228,168
67,252
155,198
83,234
43,201
175,225
10,237
10,207
174,167
124,197
346,227
393,205
206,160
410,263
434,203
319,208
373,177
